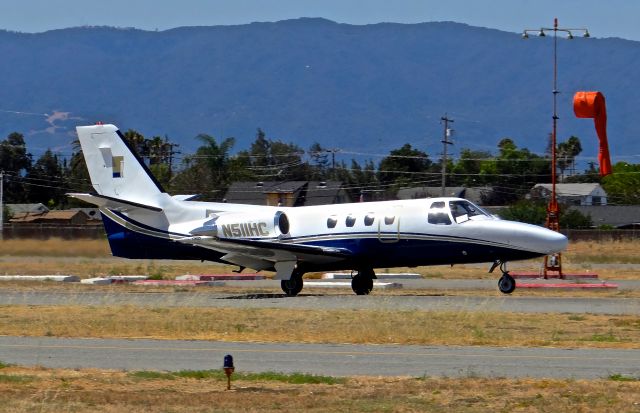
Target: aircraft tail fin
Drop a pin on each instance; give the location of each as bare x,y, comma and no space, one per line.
115,170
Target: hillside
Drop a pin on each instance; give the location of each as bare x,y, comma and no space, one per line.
360,88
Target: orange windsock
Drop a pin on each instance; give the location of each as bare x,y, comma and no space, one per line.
591,105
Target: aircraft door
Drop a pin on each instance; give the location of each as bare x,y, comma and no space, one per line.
389,226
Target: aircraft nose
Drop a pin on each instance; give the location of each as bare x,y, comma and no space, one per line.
554,241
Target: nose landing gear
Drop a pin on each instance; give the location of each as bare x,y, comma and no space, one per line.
506,283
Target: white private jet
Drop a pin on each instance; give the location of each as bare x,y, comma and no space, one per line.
143,221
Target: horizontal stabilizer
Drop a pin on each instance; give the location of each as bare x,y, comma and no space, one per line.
114,203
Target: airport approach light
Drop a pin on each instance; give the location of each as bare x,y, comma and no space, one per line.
228,368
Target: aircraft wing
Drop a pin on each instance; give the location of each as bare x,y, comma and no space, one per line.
268,254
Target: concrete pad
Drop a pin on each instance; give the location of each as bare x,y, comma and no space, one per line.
381,276
180,283
347,284
97,281
220,277
58,278
117,279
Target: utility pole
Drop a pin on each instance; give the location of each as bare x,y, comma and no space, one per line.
445,141
1,205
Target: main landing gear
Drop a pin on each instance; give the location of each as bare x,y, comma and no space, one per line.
293,285
506,283
362,281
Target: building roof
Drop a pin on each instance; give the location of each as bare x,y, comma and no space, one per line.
312,192
614,215
474,195
27,208
572,189
63,215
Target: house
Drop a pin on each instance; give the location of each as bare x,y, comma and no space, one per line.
21,210
475,195
287,193
62,217
571,194
618,216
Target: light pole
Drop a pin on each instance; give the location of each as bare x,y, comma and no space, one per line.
553,262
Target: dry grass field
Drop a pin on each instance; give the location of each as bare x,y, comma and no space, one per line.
58,390
325,326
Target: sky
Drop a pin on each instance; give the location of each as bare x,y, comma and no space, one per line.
611,18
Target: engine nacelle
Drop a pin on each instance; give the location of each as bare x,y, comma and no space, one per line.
250,225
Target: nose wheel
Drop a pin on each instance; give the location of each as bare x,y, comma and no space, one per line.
506,283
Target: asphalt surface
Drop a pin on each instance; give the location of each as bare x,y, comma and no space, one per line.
203,297
329,359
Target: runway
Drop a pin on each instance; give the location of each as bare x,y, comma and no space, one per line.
321,359
308,300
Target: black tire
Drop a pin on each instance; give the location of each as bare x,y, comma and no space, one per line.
292,286
362,283
506,284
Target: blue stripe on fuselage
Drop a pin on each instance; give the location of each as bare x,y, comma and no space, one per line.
127,243
366,248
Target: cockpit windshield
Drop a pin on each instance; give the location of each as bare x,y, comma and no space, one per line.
463,210
441,212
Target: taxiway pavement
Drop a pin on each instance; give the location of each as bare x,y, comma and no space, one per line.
321,359
308,300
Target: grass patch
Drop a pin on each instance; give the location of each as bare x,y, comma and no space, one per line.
292,378
9,378
620,377
4,365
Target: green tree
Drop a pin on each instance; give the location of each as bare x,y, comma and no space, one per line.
46,180
14,162
466,172
623,185
207,171
566,154
513,173
403,166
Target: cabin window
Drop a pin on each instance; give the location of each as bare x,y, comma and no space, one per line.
438,214
368,219
117,164
350,220
331,222
388,220
439,217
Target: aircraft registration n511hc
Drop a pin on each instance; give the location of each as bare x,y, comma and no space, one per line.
143,221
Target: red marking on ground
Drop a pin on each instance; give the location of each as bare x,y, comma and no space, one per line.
572,276
565,285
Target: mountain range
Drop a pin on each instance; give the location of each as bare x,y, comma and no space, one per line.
362,89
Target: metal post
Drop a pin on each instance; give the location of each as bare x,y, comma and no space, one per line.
445,119
554,262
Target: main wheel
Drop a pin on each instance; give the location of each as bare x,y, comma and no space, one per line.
293,285
506,284
362,282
